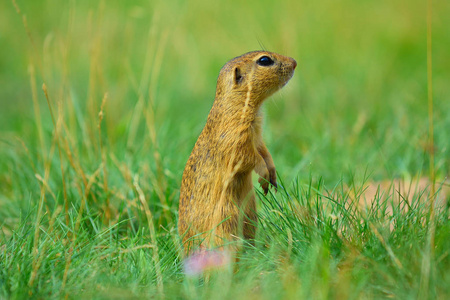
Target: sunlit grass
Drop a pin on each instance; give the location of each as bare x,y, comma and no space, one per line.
91,164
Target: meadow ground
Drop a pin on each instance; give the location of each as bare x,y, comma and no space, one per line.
101,103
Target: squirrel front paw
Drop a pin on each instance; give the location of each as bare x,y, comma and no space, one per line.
269,176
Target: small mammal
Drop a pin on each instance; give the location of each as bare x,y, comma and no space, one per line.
217,202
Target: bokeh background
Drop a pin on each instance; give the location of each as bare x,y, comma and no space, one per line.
358,100
355,111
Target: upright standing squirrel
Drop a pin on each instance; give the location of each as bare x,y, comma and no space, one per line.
217,202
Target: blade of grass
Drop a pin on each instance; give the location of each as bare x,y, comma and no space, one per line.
429,252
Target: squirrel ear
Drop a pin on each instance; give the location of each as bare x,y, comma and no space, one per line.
237,75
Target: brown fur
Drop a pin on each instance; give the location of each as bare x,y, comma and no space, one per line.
216,196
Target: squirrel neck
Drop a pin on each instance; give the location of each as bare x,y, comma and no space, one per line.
240,109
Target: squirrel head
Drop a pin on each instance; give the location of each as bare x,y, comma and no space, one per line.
254,76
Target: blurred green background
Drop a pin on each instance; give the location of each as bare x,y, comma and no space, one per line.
356,110
357,102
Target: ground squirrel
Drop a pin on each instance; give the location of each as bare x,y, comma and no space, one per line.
217,202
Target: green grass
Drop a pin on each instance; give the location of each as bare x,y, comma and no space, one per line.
90,211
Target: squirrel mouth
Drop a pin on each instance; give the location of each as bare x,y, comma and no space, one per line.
287,76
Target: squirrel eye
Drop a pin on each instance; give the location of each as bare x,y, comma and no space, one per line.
265,61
